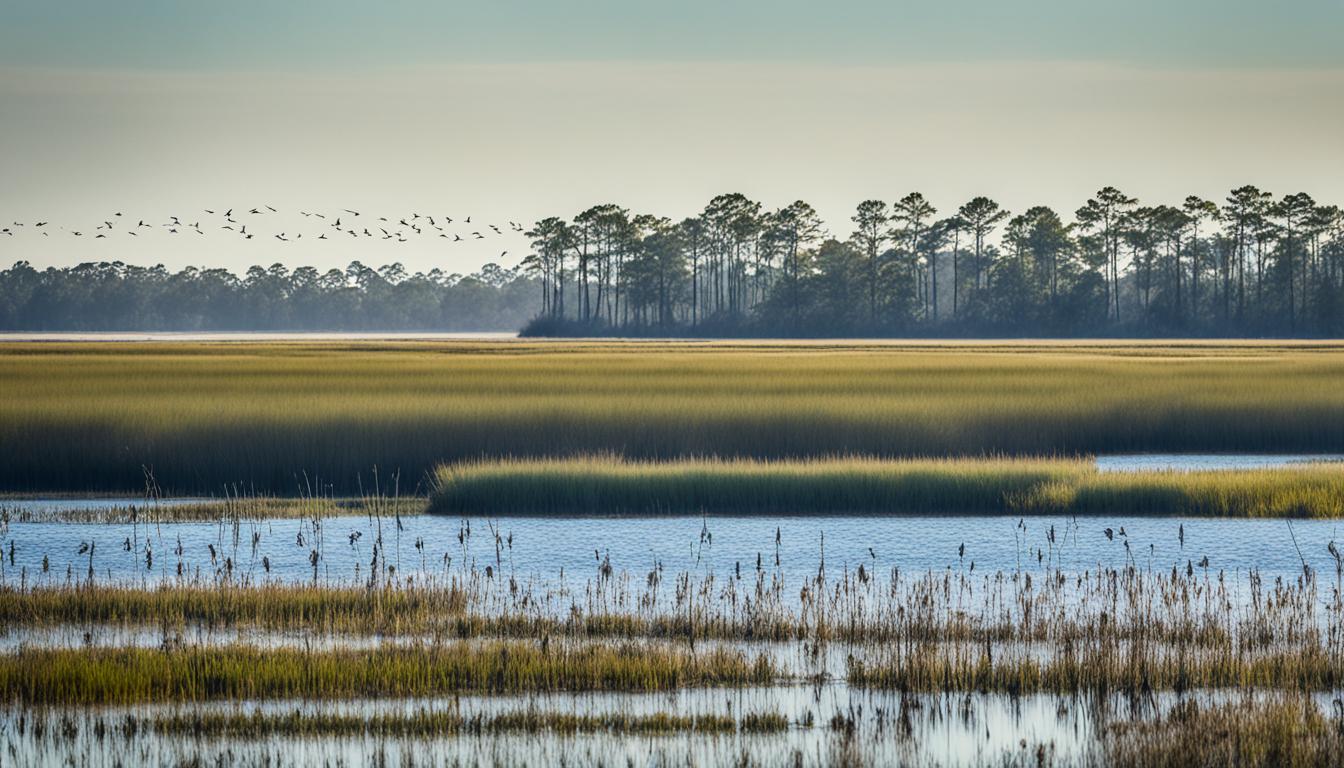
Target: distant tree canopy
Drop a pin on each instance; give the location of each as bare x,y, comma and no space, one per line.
118,297
1254,265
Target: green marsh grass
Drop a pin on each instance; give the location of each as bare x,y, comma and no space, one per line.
278,418
611,486
195,673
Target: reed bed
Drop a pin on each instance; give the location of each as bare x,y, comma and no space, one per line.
237,672
1287,731
208,510
332,609
1190,603
1096,670
1106,609
278,417
434,723
607,485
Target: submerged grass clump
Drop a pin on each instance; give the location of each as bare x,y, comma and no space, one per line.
86,417
194,673
427,723
858,485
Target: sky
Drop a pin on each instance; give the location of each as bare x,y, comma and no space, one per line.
513,110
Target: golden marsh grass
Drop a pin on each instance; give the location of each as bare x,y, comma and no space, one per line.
289,418
194,673
857,485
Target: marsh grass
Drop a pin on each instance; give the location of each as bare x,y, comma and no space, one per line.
212,510
607,485
238,672
1307,490
431,723
1193,606
1100,670
275,418
1288,731
270,606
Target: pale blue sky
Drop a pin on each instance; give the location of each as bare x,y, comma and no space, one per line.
308,34
513,110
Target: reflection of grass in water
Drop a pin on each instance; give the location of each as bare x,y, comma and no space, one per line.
857,485
423,723
202,416
1192,606
1288,731
129,675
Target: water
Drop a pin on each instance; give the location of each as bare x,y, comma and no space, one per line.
951,730
565,556
948,730
554,549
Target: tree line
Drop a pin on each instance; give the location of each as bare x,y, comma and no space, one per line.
112,296
1251,264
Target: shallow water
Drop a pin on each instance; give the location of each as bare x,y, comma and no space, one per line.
567,553
951,730
564,549
947,730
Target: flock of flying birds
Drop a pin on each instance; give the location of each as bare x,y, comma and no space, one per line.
244,225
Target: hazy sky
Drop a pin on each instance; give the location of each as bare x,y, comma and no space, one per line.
514,109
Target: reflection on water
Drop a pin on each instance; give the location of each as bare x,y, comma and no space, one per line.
561,550
984,558
825,724
828,725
